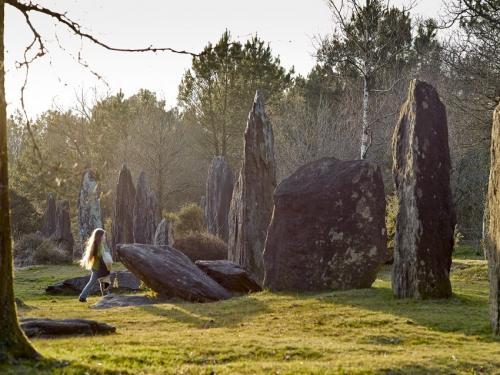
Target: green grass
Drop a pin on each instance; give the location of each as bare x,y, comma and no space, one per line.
349,332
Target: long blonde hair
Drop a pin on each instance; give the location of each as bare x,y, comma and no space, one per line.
92,248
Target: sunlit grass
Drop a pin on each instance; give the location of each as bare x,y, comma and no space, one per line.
350,332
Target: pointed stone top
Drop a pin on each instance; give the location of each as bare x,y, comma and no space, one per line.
142,179
258,104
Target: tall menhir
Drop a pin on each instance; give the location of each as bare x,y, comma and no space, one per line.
426,218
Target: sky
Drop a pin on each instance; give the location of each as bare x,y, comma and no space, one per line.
57,80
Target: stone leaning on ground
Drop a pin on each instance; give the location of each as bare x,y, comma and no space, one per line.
183,280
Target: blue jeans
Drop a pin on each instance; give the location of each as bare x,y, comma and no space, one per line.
93,279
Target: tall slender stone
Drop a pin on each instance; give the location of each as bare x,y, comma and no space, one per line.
144,219
219,191
49,216
63,235
493,243
122,229
89,209
426,218
164,235
252,201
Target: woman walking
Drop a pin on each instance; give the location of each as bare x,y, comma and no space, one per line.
98,260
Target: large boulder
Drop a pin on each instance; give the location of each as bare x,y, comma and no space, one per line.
49,216
229,275
122,281
252,201
89,210
144,213
63,235
42,327
170,273
164,235
328,228
426,217
122,230
219,191
493,242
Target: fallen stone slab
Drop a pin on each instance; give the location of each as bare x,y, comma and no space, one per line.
40,327
230,275
108,302
122,281
170,273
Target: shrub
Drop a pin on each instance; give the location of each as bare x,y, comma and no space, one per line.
201,246
33,248
25,218
391,213
189,220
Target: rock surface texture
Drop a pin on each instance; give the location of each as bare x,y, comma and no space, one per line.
63,235
122,281
493,246
426,217
170,273
229,275
219,191
122,230
252,201
34,327
328,228
49,216
144,219
89,210
164,235
111,301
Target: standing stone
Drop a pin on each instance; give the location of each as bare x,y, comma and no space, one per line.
252,201
426,217
328,228
144,219
63,236
493,244
49,216
122,230
164,235
219,191
203,205
89,209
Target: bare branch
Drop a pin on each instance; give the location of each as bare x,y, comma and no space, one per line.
25,8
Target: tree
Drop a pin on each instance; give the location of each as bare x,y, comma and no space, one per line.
218,90
13,342
371,39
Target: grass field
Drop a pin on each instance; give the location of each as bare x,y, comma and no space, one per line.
351,332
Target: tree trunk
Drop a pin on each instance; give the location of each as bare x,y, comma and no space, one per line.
13,342
365,142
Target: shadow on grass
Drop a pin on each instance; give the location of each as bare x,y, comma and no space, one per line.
227,313
465,313
52,366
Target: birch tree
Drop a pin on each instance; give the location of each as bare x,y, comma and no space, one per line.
369,39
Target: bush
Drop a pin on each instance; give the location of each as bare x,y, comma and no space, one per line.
201,246
25,219
189,220
33,248
391,213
